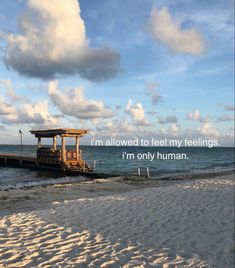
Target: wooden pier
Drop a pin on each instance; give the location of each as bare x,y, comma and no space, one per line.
69,161
17,161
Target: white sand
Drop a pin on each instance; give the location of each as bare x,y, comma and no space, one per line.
190,224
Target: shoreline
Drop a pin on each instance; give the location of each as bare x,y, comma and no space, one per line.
26,198
97,175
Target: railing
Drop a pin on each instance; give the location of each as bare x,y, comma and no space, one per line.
47,155
72,155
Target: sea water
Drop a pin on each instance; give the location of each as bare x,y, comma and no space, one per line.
110,160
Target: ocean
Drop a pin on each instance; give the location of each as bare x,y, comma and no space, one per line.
122,161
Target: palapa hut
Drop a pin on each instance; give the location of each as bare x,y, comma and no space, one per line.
67,159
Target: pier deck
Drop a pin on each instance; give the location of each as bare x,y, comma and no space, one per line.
12,160
17,160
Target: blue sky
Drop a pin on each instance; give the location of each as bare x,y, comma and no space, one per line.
162,68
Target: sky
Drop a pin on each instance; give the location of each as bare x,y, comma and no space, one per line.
118,68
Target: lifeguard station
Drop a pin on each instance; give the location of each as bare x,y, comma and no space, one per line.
69,160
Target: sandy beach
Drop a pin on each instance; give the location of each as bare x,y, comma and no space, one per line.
119,222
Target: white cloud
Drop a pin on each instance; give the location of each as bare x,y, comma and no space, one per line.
115,127
196,116
174,130
11,92
167,119
168,31
8,113
28,113
53,42
137,113
6,108
36,113
207,130
73,102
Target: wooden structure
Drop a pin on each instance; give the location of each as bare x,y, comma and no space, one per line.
62,158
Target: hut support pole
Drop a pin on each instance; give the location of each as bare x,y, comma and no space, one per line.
77,147
39,142
54,143
63,149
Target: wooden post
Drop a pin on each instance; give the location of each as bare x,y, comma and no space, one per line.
54,143
77,147
63,149
94,165
147,170
39,142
